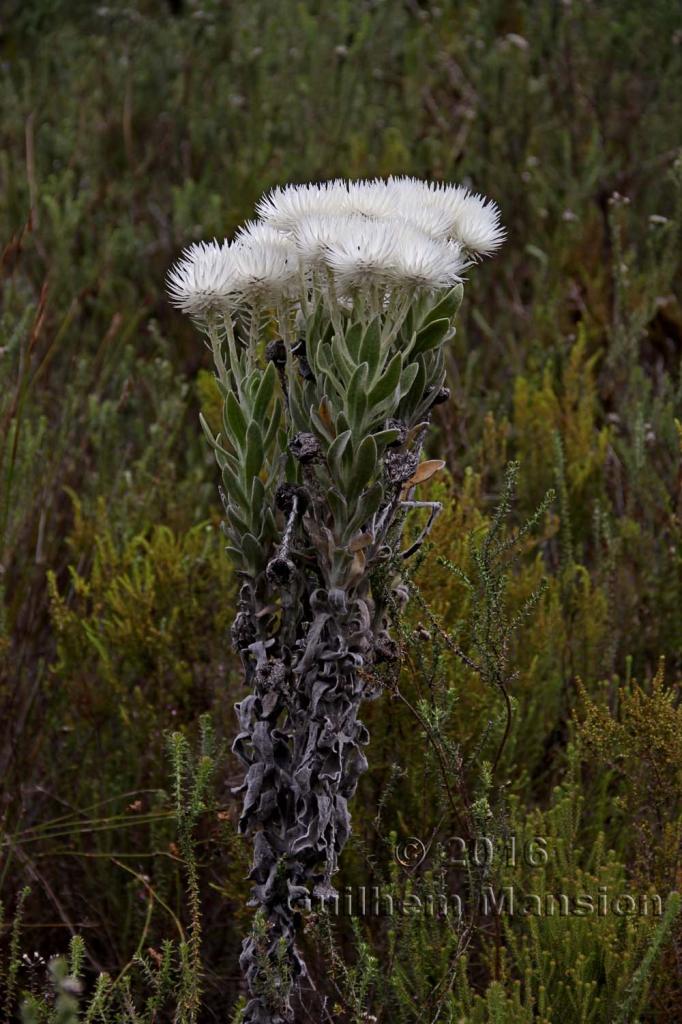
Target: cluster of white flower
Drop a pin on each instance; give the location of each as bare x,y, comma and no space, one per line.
396,233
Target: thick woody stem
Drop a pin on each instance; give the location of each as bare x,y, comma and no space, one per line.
306,646
302,742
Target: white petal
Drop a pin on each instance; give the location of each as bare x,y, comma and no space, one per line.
450,211
266,268
204,279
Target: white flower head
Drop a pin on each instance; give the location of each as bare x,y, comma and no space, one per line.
314,234
476,221
284,207
392,253
450,211
410,194
370,199
266,263
400,233
428,219
204,279
362,251
424,262
257,231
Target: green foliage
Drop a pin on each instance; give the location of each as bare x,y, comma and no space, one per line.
128,132
147,986
558,949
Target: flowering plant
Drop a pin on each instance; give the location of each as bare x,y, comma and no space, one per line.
327,319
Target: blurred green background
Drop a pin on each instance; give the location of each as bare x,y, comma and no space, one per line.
129,130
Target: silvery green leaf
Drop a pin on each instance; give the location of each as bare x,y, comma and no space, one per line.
324,356
291,466
385,437
370,349
353,340
339,508
238,524
234,421
407,378
447,306
233,489
410,402
299,420
364,466
431,336
342,422
272,426
322,429
207,430
224,459
236,555
388,381
342,358
314,322
250,387
253,552
254,451
215,442
257,499
356,396
408,325
365,508
335,456
269,526
264,393
327,369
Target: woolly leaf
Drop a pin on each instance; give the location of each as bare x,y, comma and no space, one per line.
367,504
364,466
233,488
447,307
339,508
321,425
411,400
431,336
257,500
254,451
342,358
207,430
388,382
272,427
325,414
253,552
370,349
386,437
299,420
264,393
335,455
353,340
236,555
342,423
407,379
328,368
234,421
356,397
239,525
